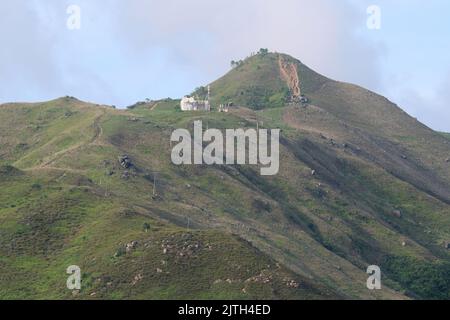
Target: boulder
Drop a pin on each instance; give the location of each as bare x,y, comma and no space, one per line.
125,175
304,99
397,213
137,278
292,284
125,161
130,246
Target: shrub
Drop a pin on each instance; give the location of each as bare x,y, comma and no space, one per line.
146,226
426,280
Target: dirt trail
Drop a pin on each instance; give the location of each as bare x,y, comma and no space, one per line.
154,106
55,169
288,71
98,132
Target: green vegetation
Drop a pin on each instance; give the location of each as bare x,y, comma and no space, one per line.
445,134
254,82
426,280
357,186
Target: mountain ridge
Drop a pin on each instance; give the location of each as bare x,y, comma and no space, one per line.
360,183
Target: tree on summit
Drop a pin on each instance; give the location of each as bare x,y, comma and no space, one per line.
263,51
235,64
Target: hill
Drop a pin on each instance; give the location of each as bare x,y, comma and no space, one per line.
264,79
360,183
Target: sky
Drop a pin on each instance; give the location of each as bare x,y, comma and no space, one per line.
126,51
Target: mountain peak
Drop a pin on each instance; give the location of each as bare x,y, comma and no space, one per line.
265,79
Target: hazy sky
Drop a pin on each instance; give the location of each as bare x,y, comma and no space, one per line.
126,51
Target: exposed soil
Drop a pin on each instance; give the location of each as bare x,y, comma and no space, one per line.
289,74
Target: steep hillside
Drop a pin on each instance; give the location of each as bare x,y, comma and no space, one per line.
360,183
266,80
66,200
446,135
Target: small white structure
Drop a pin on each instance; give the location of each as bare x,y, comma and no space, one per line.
191,104
225,107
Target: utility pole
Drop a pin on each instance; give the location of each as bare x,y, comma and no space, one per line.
208,98
154,184
106,187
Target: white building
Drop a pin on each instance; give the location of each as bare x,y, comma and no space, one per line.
191,104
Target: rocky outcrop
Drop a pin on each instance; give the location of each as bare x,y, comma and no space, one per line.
125,161
397,213
131,246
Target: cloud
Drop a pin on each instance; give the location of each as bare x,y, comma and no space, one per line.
208,34
130,50
26,54
431,108
40,58
191,41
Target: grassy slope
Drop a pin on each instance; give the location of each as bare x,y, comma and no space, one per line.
326,227
66,210
83,220
251,84
376,158
445,134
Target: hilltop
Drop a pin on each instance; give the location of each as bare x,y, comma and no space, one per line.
265,80
360,183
